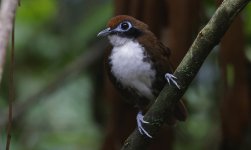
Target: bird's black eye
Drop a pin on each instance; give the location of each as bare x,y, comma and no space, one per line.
125,26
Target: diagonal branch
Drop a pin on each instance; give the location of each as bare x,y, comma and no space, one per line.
207,38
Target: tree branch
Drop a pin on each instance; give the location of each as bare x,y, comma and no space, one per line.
7,13
207,38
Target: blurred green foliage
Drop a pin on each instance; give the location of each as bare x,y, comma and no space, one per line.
50,34
36,12
247,19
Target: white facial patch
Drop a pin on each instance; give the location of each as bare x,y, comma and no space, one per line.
117,41
128,67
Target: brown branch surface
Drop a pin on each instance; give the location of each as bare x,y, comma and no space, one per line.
7,13
207,38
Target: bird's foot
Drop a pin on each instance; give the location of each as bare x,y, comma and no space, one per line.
140,121
171,78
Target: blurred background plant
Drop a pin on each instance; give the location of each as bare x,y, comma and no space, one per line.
50,35
64,102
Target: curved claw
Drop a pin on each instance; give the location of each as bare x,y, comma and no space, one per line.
171,78
140,121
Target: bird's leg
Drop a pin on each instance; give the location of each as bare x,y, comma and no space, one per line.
171,78
140,121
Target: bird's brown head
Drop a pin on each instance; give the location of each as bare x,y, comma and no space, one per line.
124,26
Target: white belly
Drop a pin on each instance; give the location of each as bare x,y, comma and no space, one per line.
128,67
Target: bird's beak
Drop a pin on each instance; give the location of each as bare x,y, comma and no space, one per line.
104,32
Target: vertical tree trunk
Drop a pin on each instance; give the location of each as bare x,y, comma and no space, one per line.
184,19
235,108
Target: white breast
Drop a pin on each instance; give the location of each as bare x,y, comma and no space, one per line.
128,66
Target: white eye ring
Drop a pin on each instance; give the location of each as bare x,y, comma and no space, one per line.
125,26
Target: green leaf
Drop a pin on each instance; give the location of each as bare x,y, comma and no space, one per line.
36,11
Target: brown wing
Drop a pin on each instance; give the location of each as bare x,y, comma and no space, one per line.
159,55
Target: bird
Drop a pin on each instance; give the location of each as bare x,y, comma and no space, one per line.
139,66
